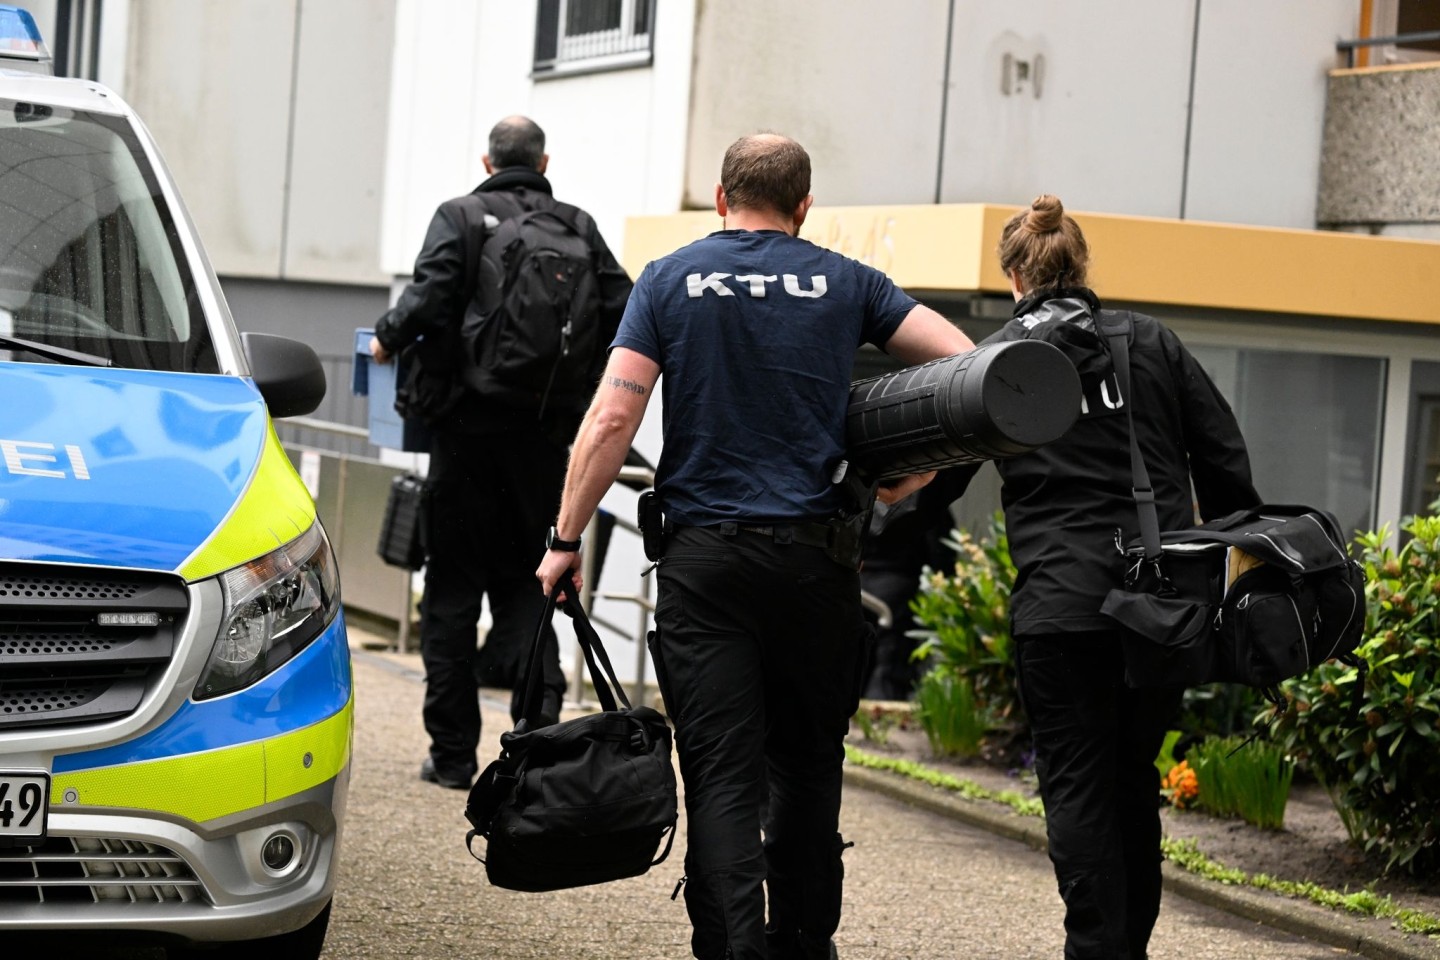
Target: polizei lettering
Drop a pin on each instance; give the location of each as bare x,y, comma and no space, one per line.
28,458
757,285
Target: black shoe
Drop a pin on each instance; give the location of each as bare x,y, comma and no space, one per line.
429,774
793,946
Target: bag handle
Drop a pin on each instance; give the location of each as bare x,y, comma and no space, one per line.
590,645
1118,336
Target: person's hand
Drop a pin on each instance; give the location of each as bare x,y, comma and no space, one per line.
378,351
893,491
553,569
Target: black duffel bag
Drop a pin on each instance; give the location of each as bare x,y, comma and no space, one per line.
1256,597
583,801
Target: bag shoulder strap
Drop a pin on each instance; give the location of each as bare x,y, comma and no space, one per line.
1118,336
596,659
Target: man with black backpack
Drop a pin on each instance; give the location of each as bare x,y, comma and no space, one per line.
503,329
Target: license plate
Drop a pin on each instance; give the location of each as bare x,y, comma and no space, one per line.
24,804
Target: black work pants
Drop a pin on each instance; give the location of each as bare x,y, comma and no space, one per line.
758,647
489,501
893,672
1095,746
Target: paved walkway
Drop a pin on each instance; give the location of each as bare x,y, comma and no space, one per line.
919,885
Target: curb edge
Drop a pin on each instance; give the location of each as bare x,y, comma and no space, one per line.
1313,922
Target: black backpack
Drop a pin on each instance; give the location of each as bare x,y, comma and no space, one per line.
532,334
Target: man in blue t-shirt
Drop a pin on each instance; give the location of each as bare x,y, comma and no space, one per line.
759,637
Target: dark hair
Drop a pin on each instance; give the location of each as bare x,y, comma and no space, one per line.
1045,246
516,142
765,172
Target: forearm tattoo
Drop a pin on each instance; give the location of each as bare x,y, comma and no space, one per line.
630,385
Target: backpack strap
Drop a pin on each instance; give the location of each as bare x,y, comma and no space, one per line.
477,209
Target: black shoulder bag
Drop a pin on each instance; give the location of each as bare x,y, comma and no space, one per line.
583,801
1255,597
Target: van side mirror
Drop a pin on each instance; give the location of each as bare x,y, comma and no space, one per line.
288,373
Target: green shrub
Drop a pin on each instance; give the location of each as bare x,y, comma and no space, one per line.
1381,762
1218,709
965,628
953,721
1243,778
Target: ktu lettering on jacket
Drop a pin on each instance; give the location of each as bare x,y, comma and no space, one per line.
1105,400
755,284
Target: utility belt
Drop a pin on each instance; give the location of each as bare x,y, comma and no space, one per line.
841,538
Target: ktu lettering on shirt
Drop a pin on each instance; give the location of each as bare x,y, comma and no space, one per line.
754,284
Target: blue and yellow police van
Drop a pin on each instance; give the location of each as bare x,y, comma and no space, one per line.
175,690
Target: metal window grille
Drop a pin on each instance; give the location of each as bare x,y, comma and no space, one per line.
582,35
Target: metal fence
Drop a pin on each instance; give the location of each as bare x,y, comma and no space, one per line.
339,409
1351,47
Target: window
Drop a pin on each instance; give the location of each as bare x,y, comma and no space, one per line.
574,36
1427,463
1422,464
90,259
1416,22
1311,423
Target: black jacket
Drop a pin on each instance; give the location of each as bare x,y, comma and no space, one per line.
1065,501
444,280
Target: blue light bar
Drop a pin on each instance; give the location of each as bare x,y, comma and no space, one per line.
19,36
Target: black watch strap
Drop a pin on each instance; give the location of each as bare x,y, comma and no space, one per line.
553,542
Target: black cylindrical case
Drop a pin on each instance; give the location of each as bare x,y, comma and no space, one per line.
999,400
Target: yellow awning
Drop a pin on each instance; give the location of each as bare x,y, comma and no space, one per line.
951,248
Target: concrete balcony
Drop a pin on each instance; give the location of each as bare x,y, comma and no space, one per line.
1380,156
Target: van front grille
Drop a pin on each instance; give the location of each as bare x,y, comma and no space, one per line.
95,870
80,645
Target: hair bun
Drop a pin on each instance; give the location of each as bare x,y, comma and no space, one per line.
1044,215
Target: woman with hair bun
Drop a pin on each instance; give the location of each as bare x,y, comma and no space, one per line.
1065,506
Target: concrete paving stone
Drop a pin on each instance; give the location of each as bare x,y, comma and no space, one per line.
919,885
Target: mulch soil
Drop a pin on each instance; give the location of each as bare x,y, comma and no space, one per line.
1313,846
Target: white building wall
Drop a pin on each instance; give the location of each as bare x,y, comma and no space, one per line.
276,137
616,139
857,83
1100,119
1260,94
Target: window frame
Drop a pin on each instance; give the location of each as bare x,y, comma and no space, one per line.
558,54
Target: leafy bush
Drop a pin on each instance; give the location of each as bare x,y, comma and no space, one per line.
948,713
965,621
1243,778
1217,709
1379,756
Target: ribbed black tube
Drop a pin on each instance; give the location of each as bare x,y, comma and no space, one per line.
996,401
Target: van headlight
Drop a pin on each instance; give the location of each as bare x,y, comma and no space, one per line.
274,606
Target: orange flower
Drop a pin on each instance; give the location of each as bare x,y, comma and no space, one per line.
1180,785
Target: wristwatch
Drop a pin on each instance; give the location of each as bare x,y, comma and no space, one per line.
553,542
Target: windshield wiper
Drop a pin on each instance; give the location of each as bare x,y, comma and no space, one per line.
59,354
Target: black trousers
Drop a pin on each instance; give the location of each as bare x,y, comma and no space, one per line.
758,648
489,501
1095,746
892,673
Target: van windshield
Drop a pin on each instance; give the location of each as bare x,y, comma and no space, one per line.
90,258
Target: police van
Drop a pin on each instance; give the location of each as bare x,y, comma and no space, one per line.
175,690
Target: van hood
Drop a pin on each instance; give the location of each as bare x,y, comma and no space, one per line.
121,468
